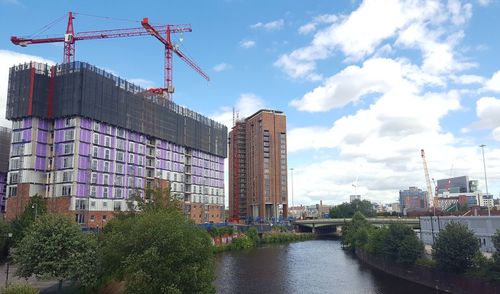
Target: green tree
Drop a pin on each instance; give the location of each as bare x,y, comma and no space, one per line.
36,207
158,251
401,244
455,248
355,233
55,248
347,210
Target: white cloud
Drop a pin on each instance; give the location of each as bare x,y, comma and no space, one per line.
484,2
488,110
318,20
493,84
221,67
7,60
468,79
246,105
247,44
352,83
269,26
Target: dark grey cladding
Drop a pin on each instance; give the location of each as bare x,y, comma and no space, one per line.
80,89
5,138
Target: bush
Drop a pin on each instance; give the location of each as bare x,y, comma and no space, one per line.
402,245
242,242
20,289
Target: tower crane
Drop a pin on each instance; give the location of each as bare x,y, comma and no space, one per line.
431,198
70,37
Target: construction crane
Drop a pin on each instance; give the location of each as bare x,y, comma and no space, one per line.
431,198
169,89
70,38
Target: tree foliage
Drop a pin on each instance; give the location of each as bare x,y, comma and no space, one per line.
455,248
347,210
55,248
401,244
158,251
36,207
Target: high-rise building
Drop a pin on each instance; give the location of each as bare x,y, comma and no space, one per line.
258,167
5,137
413,199
87,140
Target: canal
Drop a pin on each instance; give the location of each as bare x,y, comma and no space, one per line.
316,266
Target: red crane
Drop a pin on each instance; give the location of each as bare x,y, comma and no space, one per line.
71,37
169,47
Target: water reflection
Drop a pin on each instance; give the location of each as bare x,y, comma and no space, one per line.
316,266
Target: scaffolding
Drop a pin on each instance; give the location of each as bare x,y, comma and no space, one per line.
81,89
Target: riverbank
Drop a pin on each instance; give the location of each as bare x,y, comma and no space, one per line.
429,276
247,241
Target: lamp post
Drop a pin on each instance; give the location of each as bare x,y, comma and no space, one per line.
35,207
291,170
485,178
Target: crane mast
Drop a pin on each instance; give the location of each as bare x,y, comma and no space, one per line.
430,194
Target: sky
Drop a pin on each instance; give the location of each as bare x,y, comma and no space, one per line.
365,85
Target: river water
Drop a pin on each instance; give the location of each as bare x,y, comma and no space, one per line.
316,266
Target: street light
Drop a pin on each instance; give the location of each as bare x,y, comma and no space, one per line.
9,236
485,178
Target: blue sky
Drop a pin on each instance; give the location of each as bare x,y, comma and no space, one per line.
364,84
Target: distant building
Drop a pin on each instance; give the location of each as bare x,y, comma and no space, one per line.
396,207
5,137
454,185
484,227
354,197
258,188
413,199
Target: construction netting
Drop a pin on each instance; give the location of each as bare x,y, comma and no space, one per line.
80,89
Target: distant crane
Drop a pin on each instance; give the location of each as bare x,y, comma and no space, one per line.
431,198
70,38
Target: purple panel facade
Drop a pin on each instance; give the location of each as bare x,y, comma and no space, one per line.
42,136
81,190
41,150
40,163
27,135
85,136
86,123
27,122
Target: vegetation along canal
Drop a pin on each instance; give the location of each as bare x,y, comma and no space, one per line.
315,266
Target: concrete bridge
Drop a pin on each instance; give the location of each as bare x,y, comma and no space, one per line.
329,225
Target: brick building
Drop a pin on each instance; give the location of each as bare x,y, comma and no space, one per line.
258,167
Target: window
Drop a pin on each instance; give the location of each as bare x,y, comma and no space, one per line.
106,180
80,218
107,154
92,191
118,193
105,192
120,144
106,166
96,138
117,206
93,178
67,176
131,158
141,149
69,135
94,164
139,183
69,122
14,178
68,148
92,218
119,168
17,150
104,205
130,181
141,160
67,162
139,171
95,150
96,126
66,190
12,191
14,163
17,136
120,156
118,181
80,204
131,146
120,133
107,141
92,204
16,124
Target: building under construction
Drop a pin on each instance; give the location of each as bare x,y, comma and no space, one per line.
258,167
88,140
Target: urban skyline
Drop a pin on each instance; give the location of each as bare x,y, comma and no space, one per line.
439,91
